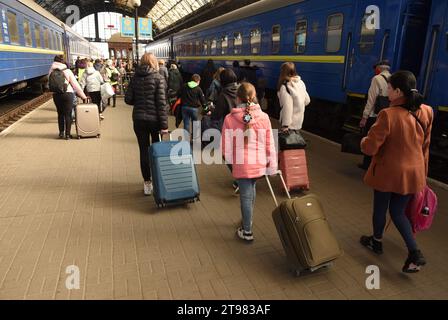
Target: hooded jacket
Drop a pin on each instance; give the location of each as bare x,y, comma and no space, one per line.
73,85
226,101
193,96
257,156
147,93
175,81
91,79
293,103
400,149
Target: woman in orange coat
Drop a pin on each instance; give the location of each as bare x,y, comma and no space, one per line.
399,143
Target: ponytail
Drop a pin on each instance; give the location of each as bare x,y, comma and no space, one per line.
414,100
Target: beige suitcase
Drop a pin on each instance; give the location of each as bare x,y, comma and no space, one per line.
87,121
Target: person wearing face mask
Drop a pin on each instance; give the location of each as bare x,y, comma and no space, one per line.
377,94
399,144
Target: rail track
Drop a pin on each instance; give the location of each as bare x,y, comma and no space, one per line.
15,113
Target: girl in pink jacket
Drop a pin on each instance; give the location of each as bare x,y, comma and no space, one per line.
248,144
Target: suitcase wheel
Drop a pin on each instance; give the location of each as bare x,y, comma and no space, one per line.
98,136
79,137
297,273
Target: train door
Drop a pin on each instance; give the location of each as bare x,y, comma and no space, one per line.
367,46
413,36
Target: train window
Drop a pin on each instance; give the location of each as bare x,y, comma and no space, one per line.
255,41
276,37
237,42
46,39
37,36
190,49
61,46
367,39
205,47
300,36
13,28
27,33
1,33
335,23
213,46
224,44
197,50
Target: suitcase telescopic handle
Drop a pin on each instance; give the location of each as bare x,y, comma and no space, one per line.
165,134
279,173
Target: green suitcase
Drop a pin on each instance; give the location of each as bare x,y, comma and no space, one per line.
305,233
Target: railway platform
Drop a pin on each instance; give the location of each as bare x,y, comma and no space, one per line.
80,203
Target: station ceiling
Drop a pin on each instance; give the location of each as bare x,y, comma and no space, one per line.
168,15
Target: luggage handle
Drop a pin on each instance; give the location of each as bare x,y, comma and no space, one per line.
279,172
169,134
88,100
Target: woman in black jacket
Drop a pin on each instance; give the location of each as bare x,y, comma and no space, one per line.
147,93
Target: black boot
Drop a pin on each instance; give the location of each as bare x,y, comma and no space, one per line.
414,262
372,244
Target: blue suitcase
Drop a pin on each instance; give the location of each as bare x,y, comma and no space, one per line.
174,175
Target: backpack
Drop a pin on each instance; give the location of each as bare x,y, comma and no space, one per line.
114,77
422,207
57,81
381,102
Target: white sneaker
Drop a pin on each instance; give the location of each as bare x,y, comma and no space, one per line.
101,116
147,188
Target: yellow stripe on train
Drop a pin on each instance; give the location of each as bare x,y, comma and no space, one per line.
10,48
307,59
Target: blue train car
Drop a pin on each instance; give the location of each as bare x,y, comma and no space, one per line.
333,45
28,43
30,37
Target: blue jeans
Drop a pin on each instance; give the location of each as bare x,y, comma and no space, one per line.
396,203
189,114
247,199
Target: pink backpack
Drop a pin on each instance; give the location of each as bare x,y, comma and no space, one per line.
421,209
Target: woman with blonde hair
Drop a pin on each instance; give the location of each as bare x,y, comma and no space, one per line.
146,93
292,96
248,144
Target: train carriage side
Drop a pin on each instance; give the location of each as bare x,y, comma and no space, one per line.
28,44
434,77
307,33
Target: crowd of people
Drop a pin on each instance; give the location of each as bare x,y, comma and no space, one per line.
396,143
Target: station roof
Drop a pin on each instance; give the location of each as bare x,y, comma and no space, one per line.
167,15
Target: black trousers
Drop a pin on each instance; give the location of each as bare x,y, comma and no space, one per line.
64,106
144,129
114,98
367,159
96,99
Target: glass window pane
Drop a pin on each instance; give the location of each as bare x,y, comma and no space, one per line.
46,39
237,42
37,35
213,45
367,40
1,33
334,32
300,36
27,31
13,28
276,37
255,41
224,44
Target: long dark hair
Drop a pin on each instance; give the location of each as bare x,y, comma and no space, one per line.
407,83
287,72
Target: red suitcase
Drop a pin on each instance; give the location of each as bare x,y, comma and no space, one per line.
293,165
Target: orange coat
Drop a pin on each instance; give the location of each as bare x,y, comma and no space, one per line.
400,150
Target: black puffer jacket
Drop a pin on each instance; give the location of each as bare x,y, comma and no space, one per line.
147,94
226,101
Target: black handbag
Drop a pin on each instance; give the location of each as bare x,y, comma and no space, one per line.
351,143
290,140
